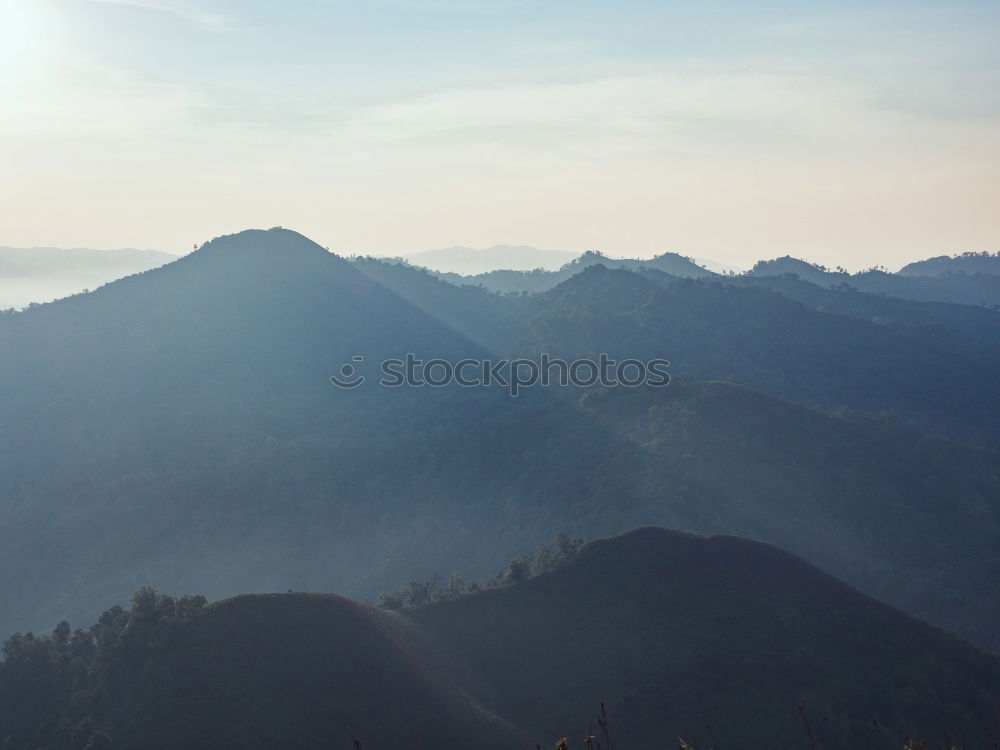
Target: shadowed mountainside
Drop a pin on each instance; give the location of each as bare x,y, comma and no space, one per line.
678,632
718,639
718,329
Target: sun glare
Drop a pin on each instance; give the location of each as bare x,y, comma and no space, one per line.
21,37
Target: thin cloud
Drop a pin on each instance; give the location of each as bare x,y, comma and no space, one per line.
180,10
471,7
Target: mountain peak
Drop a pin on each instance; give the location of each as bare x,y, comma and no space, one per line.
788,265
274,241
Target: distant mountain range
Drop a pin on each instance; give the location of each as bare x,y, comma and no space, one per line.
540,280
917,281
967,263
716,267
178,428
470,261
42,274
971,279
641,639
480,262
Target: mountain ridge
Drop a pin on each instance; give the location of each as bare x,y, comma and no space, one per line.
179,428
969,263
470,261
981,289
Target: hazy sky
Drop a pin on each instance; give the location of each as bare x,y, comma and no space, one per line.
845,132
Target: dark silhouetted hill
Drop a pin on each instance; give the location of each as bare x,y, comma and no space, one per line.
715,639
257,671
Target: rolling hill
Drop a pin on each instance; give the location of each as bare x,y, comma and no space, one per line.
677,633
716,639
